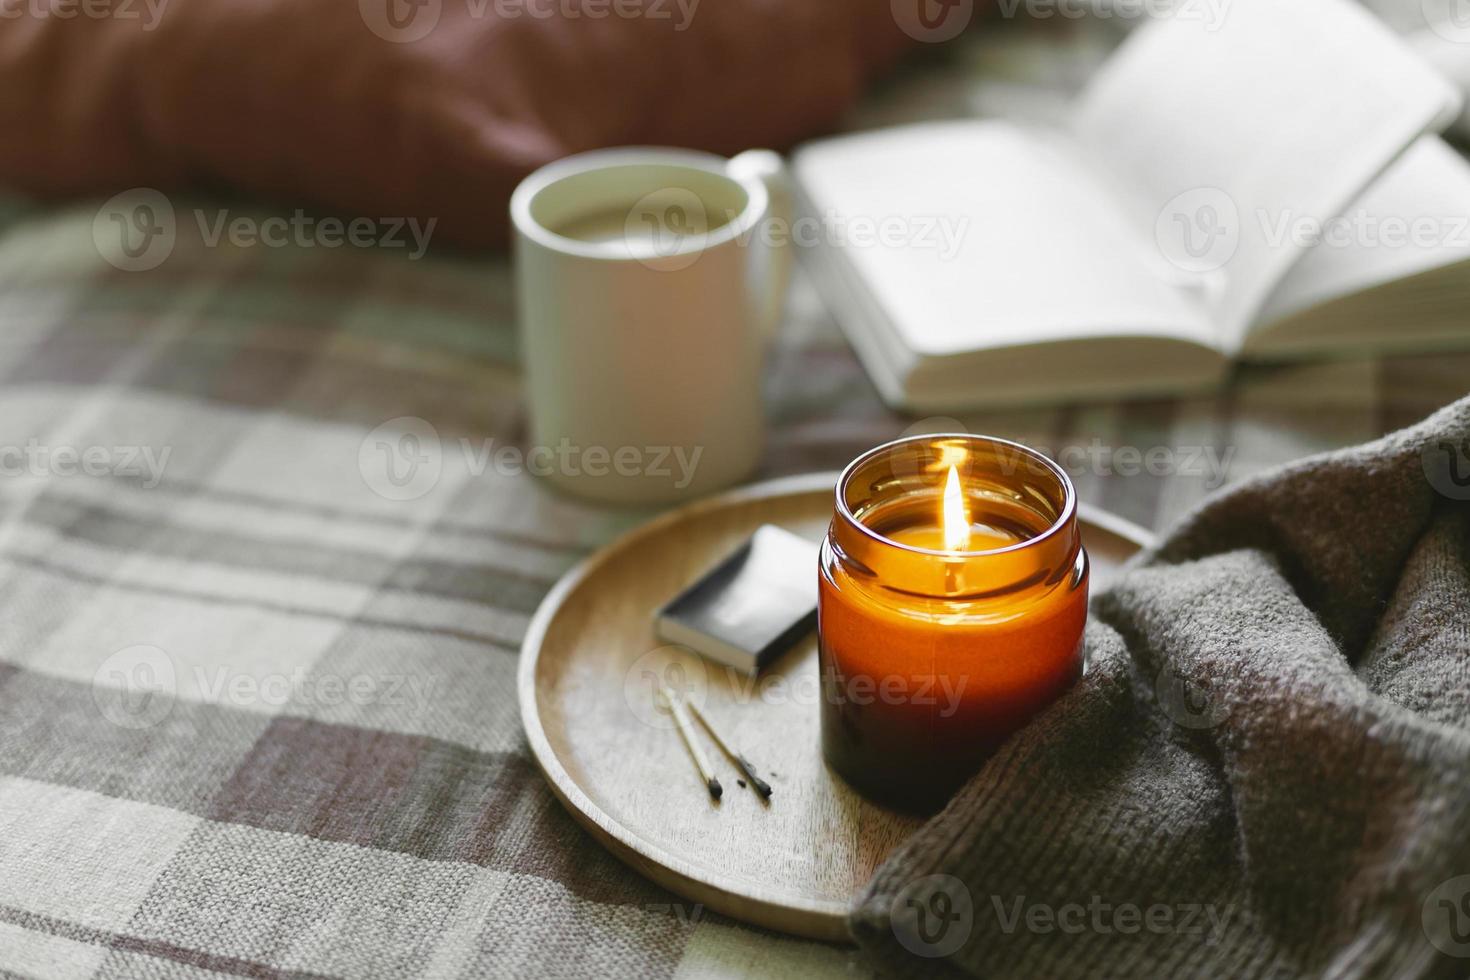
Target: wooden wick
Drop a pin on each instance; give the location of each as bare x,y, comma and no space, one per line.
757,783
681,720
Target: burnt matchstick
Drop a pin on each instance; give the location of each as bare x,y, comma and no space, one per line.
686,731
760,785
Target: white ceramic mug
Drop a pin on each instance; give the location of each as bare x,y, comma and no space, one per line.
646,292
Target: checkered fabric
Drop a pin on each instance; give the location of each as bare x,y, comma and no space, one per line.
331,780
257,701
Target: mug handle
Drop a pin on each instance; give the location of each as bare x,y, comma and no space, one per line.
765,167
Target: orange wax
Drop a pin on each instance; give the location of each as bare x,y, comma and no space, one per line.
931,657
982,537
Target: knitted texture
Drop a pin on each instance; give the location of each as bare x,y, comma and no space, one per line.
1265,771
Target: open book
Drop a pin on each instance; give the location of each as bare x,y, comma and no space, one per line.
1269,189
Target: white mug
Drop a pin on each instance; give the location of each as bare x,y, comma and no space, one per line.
646,292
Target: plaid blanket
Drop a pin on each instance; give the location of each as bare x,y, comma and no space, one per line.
257,709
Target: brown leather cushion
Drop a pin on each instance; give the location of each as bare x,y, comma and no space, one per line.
436,111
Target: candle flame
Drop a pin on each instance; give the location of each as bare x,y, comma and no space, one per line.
956,521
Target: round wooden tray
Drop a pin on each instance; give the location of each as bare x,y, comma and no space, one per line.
587,671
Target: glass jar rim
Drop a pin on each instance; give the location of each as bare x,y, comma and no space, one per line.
1065,515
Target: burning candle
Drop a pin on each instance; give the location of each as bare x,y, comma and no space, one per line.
952,596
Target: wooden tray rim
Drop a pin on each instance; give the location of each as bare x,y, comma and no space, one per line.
815,919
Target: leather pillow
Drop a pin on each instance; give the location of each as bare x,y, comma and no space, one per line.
411,108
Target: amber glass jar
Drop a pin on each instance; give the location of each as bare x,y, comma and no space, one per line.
931,655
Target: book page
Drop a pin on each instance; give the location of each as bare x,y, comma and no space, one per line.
1414,218
1219,128
978,235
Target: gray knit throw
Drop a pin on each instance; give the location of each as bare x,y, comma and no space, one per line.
1266,769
